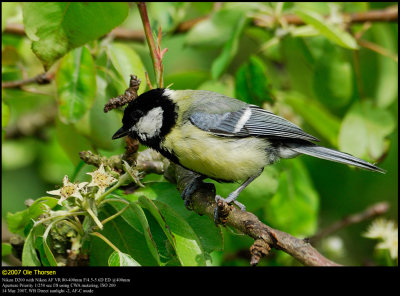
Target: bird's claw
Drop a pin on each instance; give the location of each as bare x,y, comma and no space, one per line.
223,208
188,191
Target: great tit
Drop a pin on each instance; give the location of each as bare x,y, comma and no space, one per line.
219,137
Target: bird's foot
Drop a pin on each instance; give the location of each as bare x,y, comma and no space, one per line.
189,190
224,207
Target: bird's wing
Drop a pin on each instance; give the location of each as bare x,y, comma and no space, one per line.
249,121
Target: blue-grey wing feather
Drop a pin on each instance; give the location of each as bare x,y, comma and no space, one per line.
260,123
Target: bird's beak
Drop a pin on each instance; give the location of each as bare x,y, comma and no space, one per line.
120,133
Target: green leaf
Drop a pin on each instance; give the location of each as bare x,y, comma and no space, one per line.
121,259
89,125
315,114
29,256
299,61
17,221
39,245
330,31
5,116
71,141
57,27
364,129
252,83
124,237
223,86
126,61
294,207
49,254
215,30
52,158
333,78
304,31
387,80
136,218
147,231
180,234
229,50
76,85
186,79
164,247
6,249
210,236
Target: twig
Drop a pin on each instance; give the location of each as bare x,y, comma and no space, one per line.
44,78
371,212
106,240
155,52
148,80
15,29
147,161
127,34
259,249
113,162
378,49
129,95
389,14
187,25
32,124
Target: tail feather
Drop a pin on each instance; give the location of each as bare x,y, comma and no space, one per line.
333,155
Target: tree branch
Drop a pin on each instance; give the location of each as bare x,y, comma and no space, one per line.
129,95
44,78
32,124
371,212
203,203
389,14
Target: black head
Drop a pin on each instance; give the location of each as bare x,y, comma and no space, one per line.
148,118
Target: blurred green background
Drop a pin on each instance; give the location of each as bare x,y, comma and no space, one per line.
321,75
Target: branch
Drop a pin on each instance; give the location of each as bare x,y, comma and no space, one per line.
371,212
378,49
203,203
147,161
32,124
389,14
129,95
155,52
44,78
124,34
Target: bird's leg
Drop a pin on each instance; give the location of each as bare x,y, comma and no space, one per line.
190,188
234,195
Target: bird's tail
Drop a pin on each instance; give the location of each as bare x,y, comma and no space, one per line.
332,155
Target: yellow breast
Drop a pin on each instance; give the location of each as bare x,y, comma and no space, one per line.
229,159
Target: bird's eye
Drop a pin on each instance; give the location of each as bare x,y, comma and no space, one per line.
137,114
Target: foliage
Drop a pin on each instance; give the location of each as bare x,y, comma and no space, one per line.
317,74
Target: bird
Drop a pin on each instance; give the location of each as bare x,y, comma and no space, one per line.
219,137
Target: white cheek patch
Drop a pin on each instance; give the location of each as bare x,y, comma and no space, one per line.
150,125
